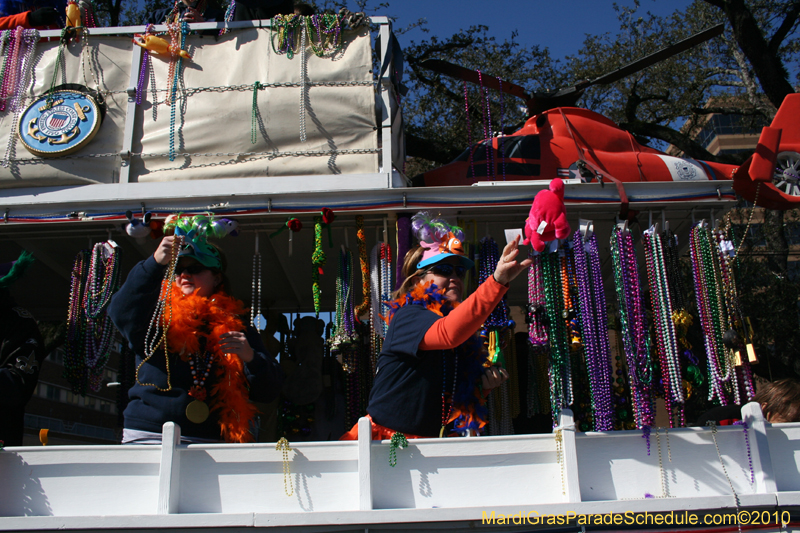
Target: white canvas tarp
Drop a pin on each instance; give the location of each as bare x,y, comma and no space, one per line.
214,113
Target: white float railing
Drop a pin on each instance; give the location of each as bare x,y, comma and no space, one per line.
607,472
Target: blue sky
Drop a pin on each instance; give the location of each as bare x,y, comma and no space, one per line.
560,25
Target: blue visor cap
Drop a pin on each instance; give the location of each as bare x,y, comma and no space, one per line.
462,260
198,249
204,254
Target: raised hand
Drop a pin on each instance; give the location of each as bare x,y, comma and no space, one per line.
508,267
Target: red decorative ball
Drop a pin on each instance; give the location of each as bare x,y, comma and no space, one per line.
327,215
294,224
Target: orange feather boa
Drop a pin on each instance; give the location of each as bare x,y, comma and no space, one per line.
196,316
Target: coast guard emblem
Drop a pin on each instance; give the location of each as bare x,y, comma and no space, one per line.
60,123
685,170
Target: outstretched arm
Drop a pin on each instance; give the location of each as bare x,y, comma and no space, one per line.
464,320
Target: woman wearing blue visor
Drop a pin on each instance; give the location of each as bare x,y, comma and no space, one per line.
432,375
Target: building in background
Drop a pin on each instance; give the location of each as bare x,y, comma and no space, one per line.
71,418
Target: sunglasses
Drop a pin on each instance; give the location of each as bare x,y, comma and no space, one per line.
194,268
446,270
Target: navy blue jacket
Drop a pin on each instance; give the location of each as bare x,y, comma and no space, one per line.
406,395
131,309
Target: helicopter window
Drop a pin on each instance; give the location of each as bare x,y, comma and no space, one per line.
522,146
519,147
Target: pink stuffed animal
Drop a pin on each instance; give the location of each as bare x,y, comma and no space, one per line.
547,220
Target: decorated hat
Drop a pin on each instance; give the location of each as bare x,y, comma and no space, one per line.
439,239
195,231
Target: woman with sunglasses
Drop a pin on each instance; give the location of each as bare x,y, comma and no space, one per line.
432,376
215,364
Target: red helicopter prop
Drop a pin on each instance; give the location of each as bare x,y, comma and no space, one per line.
559,140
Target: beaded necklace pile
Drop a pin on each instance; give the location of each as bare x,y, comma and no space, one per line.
95,279
594,329
634,329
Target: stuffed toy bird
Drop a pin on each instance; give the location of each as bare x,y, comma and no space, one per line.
547,220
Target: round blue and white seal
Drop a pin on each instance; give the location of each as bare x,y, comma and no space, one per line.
59,123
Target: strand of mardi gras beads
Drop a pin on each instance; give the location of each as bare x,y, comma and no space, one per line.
303,84
344,331
177,43
162,318
85,46
376,340
598,293
501,150
143,70
27,50
633,325
30,38
6,42
673,349
666,338
560,369
487,125
591,306
537,332
94,280
12,71
538,350
497,321
254,114
256,318
364,263
720,318
469,131
742,369
705,283
325,31
386,284
99,328
490,139
74,362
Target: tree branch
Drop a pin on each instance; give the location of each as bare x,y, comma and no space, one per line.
768,67
684,143
727,111
786,26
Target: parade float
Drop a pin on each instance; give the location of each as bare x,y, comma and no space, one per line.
254,132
